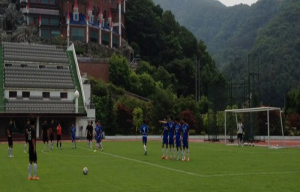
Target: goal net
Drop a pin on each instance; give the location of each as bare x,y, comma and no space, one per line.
261,126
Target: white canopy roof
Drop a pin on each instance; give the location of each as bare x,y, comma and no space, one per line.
246,110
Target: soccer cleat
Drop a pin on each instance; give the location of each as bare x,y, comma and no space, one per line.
178,159
95,150
24,151
171,158
183,159
29,178
166,158
35,178
188,159
145,152
163,157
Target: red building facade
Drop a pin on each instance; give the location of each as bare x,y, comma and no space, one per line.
99,21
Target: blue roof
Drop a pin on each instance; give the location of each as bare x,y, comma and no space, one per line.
82,21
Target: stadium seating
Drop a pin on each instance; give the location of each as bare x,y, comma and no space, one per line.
37,67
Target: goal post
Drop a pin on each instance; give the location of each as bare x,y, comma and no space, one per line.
257,109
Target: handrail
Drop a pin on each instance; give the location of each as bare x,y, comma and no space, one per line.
72,48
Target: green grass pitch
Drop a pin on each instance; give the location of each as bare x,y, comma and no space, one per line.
122,166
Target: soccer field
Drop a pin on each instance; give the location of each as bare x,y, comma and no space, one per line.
122,166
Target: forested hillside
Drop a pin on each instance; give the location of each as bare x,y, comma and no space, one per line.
268,28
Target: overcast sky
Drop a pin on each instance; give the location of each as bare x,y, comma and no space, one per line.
235,2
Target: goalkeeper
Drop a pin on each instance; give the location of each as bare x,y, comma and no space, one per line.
240,128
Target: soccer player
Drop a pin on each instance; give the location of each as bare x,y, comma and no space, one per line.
171,136
9,138
98,136
45,133
32,152
144,130
240,127
51,132
26,135
73,131
178,133
58,135
185,139
164,136
89,134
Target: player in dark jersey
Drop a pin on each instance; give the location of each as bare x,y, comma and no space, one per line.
164,136
73,135
144,130
51,132
171,136
9,138
26,135
89,134
178,135
45,133
185,138
98,136
32,152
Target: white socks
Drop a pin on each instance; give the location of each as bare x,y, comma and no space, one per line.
34,169
29,170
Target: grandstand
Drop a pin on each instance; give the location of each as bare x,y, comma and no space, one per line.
40,81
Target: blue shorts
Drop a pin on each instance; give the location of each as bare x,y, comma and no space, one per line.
73,137
178,143
185,143
171,140
165,140
98,139
144,139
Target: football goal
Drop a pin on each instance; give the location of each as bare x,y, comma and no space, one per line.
262,125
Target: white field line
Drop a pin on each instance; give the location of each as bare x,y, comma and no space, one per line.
195,174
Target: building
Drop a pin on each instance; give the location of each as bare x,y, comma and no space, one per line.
42,82
99,21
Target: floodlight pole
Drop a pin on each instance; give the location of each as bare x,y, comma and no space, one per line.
225,128
268,128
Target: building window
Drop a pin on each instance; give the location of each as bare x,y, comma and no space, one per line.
60,67
26,94
115,42
42,66
12,94
55,33
63,95
76,16
91,19
46,95
94,36
8,65
45,33
105,39
23,65
77,34
54,21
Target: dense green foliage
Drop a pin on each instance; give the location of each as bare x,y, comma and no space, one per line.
122,166
268,28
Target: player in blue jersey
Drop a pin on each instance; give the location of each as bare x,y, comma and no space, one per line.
164,136
98,136
144,130
178,134
185,139
171,136
73,132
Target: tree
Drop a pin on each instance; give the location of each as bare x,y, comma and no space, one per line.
124,119
137,118
119,71
109,122
184,71
164,77
190,119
